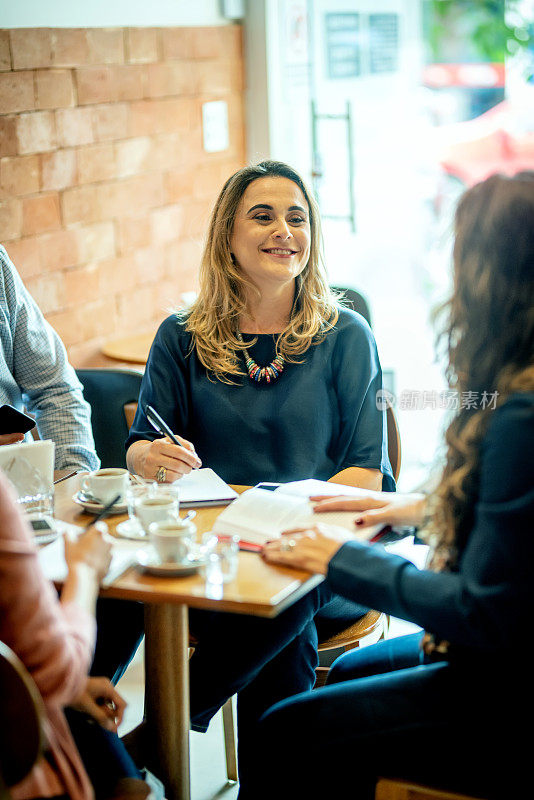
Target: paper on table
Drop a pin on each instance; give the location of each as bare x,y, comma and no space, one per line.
52,558
259,515
203,487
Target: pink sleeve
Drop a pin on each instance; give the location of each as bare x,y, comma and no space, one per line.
54,641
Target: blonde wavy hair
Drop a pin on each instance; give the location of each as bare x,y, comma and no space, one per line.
213,318
489,335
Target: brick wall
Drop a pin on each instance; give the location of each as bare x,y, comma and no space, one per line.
105,189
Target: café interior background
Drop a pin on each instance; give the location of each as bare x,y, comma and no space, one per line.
119,123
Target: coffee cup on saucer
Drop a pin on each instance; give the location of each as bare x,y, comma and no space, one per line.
158,507
173,540
103,485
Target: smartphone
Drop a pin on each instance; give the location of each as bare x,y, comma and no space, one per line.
14,421
269,486
41,525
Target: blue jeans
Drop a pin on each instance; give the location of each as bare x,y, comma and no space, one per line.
385,711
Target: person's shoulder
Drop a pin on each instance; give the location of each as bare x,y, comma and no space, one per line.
509,440
172,333
352,328
515,414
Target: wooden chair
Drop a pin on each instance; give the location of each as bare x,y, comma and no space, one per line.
21,721
390,789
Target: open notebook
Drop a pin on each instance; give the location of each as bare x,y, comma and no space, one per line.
203,487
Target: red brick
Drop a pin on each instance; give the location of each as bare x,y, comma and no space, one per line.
54,88
106,45
96,163
177,42
141,45
141,299
8,136
118,199
99,317
133,233
58,169
10,219
95,85
31,48
133,156
69,47
232,41
40,214
115,274
16,92
110,122
80,205
36,132
185,254
207,42
170,150
166,224
74,126
19,176
57,250
171,78
47,291
130,81
149,117
24,253
68,324
179,184
5,51
81,285
95,242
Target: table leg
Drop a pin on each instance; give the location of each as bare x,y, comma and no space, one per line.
167,694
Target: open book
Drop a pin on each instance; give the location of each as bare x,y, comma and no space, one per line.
259,515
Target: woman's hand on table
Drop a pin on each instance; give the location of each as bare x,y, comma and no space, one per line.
11,438
101,701
307,548
147,458
89,549
377,508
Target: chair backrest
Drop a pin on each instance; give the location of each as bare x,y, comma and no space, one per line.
108,391
21,720
394,442
355,301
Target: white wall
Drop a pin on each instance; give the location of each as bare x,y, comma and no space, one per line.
108,13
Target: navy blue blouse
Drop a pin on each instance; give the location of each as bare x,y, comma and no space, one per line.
318,418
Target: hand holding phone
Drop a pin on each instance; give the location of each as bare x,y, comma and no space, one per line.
13,423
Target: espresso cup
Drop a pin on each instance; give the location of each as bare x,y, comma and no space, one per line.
155,508
105,484
172,540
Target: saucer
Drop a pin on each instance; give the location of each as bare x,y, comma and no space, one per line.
148,562
131,529
94,507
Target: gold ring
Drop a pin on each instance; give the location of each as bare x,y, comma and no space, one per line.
161,475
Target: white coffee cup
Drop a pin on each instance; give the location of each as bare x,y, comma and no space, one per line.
105,484
172,540
155,508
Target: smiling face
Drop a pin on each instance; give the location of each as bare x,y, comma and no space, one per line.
271,237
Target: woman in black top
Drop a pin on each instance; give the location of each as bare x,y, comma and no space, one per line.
441,707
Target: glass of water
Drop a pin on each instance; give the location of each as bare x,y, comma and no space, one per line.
221,555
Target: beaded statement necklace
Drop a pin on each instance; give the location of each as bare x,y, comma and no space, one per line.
256,373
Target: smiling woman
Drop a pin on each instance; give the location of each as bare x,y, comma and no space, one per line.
267,378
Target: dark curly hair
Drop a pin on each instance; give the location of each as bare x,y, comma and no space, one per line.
489,337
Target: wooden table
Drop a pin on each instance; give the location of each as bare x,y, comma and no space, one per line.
132,348
259,589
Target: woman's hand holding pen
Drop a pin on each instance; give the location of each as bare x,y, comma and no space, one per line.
177,459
